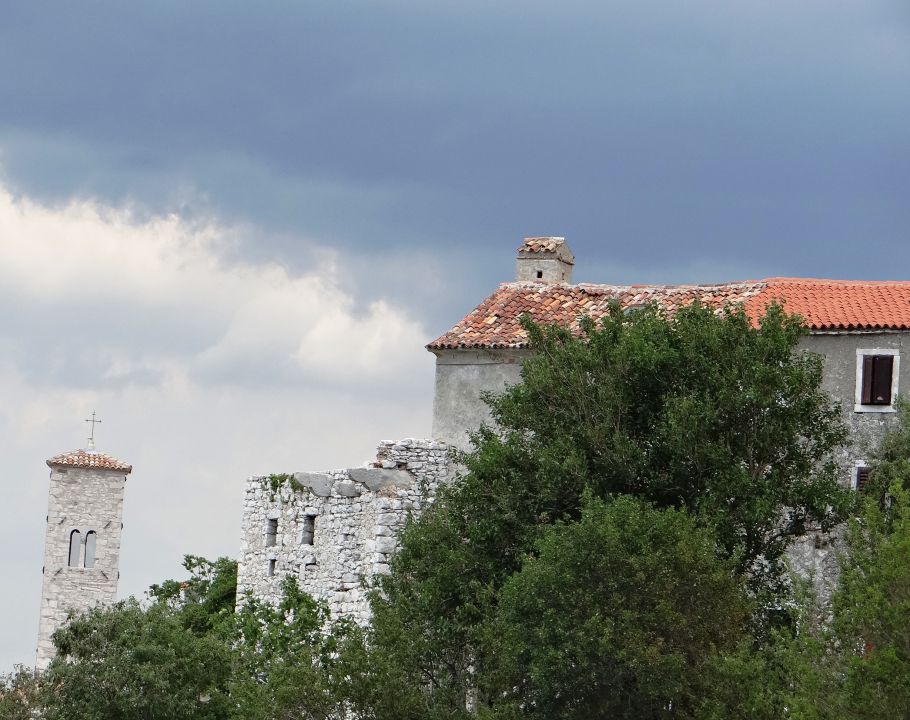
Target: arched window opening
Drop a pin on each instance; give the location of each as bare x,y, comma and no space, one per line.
91,538
75,548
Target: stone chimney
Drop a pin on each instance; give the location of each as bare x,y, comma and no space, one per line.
544,259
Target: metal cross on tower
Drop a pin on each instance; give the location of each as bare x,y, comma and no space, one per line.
91,440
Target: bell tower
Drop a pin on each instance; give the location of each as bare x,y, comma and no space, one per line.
82,541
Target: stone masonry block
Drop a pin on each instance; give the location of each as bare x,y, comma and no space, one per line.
378,478
319,483
347,489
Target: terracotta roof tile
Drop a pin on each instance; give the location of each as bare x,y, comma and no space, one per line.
542,244
89,459
825,305
840,304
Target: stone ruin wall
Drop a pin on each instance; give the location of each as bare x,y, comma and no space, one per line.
357,517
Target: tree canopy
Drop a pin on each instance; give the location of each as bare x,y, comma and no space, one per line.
701,413
614,547
186,653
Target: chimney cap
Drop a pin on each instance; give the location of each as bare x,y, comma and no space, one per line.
546,245
543,244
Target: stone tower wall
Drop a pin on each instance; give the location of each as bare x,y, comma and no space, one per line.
84,500
357,517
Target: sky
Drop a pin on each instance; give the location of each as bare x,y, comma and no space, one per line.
231,227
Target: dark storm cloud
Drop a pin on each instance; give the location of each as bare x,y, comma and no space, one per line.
389,150
657,137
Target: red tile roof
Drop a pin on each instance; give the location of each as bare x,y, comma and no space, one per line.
839,304
542,244
89,459
825,305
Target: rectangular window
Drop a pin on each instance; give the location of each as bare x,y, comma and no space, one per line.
309,528
877,371
862,477
271,532
272,564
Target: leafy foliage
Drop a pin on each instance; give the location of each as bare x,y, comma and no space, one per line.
129,662
872,607
615,617
206,601
19,694
855,664
188,654
700,413
282,653
614,536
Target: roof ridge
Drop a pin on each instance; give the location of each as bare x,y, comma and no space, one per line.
90,459
832,281
826,305
543,287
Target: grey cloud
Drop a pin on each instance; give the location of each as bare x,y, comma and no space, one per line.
671,142
715,131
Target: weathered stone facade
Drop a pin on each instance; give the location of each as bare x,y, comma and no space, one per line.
544,259
335,530
358,517
82,545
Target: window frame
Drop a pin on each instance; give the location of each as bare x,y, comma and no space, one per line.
862,353
859,465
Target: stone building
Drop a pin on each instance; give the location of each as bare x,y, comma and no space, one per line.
333,530
82,541
860,328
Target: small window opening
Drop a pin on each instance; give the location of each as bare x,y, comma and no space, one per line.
91,538
539,274
309,528
877,373
862,477
272,564
271,532
75,548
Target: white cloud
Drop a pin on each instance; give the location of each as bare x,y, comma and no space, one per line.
100,259
205,368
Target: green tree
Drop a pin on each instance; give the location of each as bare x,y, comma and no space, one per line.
170,659
125,662
187,654
205,602
795,672
856,662
872,608
20,693
282,655
617,616
702,412
890,461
